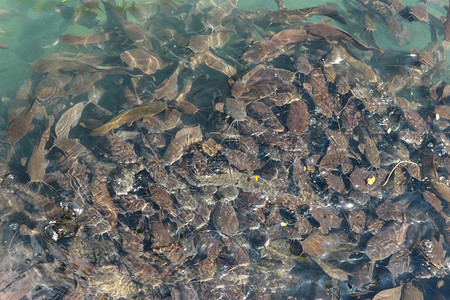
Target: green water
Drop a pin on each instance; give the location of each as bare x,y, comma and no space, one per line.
33,27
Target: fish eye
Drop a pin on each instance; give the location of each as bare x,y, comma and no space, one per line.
427,245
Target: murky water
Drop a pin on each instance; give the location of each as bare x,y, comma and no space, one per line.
224,150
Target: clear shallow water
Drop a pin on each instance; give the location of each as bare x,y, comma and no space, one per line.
268,255
33,27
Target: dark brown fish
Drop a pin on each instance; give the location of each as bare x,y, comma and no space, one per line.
289,17
386,242
327,218
211,148
248,30
235,108
101,195
321,246
82,82
330,32
199,43
204,270
268,75
303,65
359,65
333,158
36,164
161,197
368,147
383,12
71,64
433,252
146,61
357,220
182,140
91,38
259,111
69,119
145,10
52,86
420,12
324,10
117,18
322,98
74,150
133,32
22,124
367,181
224,218
415,121
447,26
218,64
266,51
218,40
186,107
168,89
298,117
429,170
417,12
215,16
396,5
243,161
260,91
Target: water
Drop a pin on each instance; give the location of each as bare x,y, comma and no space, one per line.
29,35
334,184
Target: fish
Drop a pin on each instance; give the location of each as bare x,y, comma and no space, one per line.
280,4
218,64
116,17
322,98
418,12
291,16
168,88
330,32
383,12
266,51
70,64
91,38
128,117
37,164
447,26
69,119
22,124
183,138
215,16
429,170
359,65
146,61
235,108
